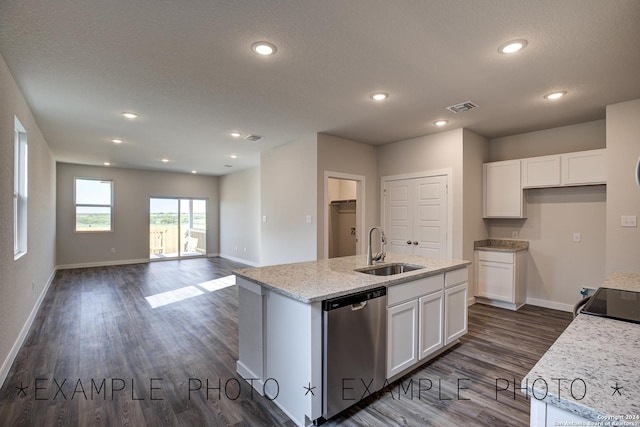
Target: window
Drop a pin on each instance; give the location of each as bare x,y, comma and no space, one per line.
20,163
94,205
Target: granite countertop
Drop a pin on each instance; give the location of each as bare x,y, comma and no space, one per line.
601,353
324,279
501,245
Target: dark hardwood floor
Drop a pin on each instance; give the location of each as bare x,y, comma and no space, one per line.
98,354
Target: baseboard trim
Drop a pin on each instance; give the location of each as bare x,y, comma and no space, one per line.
551,304
213,255
11,357
240,260
471,301
103,263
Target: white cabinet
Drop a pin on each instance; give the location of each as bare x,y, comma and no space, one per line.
584,168
402,321
455,323
503,195
501,278
430,329
423,316
540,172
547,415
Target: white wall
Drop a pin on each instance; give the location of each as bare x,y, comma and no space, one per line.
558,267
23,282
132,190
240,216
288,190
475,153
439,151
564,139
348,157
623,195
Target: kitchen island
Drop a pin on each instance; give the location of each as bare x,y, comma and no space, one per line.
280,321
591,374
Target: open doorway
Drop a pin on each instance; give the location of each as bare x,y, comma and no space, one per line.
177,227
344,215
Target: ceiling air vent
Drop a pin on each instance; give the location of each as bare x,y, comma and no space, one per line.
253,138
465,106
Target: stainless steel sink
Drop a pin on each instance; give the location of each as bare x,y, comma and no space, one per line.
389,269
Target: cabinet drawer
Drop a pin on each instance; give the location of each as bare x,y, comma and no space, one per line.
506,257
456,277
414,289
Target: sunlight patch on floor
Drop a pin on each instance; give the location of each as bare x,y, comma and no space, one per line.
165,298
216,284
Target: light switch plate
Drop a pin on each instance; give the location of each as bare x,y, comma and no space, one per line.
629,221
577,237
308,219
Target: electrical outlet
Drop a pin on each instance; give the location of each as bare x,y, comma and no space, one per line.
577,237
309,219
629,221
264,218
113,250
514,234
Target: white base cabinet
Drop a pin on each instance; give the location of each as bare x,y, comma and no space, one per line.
546,415
423,317
501,278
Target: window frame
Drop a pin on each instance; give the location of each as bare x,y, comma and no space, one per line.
76,205
20,187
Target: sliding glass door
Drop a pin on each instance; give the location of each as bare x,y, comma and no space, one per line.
177,227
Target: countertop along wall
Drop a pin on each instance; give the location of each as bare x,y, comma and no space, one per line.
131,191
558,267
23,282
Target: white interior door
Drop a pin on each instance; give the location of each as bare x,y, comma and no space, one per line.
430,223
415,216
398,216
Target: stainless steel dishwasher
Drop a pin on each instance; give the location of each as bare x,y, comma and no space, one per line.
354,346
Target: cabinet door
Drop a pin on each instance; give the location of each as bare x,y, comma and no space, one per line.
455,310
584,167
503,197
402,337
541,172
495,281
430,329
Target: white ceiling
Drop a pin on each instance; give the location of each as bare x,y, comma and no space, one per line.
187,68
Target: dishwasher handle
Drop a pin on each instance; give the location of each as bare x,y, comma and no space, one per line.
358,306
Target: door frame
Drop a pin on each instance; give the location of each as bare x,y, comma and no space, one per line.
360,209
448,172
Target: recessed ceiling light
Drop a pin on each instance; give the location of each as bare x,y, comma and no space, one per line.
164,160
379,96
512,46
130,115
264,48
235,134
234,156
116,141
555,95
107,163
194,172
440,122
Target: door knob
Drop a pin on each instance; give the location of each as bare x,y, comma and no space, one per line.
408,242
415,242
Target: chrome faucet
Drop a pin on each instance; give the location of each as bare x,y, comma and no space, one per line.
371,259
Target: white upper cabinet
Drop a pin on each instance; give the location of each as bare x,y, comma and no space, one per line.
503,196
584,168
541,172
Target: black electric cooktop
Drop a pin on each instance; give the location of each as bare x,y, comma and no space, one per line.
614,304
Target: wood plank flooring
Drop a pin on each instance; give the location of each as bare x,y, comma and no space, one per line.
98,354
